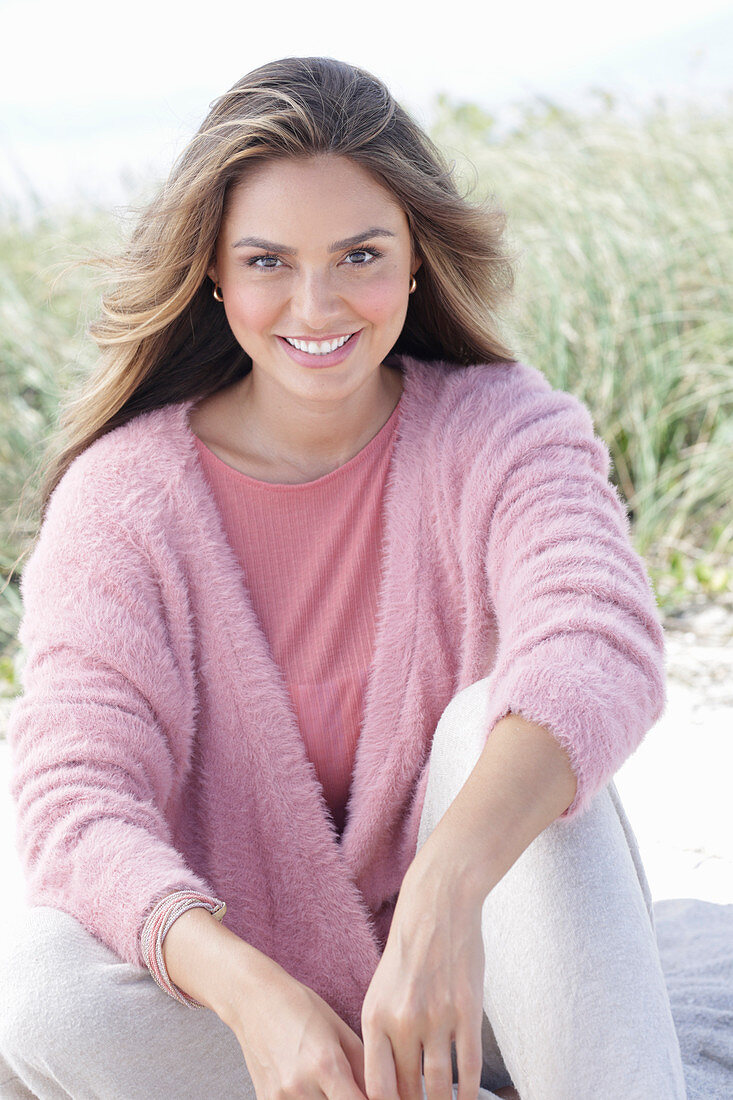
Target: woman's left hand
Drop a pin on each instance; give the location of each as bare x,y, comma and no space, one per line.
426,991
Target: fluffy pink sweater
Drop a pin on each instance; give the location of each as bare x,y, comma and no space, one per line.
310,556
155,746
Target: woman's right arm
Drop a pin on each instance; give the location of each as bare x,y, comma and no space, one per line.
102,736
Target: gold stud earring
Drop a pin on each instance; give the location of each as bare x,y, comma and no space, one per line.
217,293
413,283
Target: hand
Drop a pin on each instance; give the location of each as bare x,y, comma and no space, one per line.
295,1045
427,990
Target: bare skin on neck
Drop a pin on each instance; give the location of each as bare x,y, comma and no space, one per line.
271,442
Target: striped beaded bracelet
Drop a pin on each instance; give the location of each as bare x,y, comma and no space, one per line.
157,925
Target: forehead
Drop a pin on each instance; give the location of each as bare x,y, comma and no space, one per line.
312,190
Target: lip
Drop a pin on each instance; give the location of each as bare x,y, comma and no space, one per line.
319,339
307,360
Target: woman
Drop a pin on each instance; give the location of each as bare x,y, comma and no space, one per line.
335,639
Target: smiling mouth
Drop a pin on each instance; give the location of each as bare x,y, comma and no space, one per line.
319,347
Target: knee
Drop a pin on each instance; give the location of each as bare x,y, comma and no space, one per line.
457,743
50,995
461,731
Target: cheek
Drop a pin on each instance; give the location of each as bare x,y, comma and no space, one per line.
382,298
250,311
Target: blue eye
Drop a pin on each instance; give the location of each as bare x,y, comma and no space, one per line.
372,252
265,267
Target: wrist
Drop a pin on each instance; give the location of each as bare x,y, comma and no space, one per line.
449,877
156,927
249,973
211,964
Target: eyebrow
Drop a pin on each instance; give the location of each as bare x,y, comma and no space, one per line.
348,242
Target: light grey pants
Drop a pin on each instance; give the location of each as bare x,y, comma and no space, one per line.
575,1004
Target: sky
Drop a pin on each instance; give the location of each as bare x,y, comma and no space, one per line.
93,96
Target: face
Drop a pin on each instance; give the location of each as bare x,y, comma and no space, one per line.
313,250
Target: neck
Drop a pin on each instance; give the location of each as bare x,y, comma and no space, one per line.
313,437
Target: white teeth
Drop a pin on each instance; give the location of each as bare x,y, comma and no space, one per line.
321,348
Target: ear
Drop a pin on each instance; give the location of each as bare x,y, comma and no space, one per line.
417,266
211,272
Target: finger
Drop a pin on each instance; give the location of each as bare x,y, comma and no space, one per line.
339,1083
408,1066
469,1060
353,1048
438,1067
380,1076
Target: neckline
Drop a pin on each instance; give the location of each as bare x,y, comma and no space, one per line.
340,472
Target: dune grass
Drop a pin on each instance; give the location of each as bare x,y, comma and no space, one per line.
623,297
622,232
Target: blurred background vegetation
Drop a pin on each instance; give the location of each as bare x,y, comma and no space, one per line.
622,229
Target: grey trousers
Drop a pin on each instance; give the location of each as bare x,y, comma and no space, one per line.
575,1003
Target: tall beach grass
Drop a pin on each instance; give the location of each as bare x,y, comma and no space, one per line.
623,297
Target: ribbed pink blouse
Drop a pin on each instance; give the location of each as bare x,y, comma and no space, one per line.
311,557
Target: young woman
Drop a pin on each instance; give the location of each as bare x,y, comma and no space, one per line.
335,640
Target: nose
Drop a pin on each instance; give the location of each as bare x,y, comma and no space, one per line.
314,303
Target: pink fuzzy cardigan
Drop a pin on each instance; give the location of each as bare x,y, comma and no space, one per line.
155,746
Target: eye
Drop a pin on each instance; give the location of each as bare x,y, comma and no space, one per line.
372,253
265,267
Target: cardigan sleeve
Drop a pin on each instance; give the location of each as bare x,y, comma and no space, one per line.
581,646
101,736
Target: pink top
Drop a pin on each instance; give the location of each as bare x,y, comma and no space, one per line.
310,554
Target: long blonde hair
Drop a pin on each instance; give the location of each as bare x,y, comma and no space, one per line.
162,337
